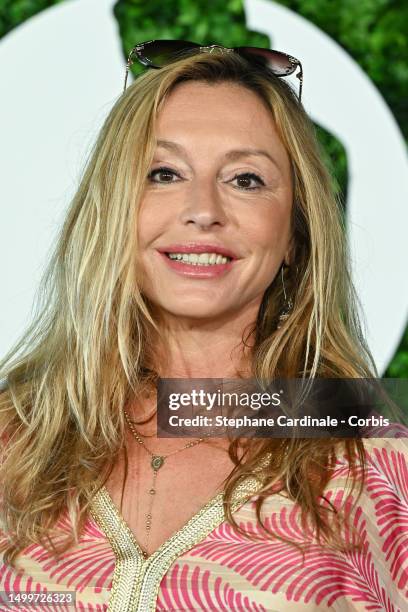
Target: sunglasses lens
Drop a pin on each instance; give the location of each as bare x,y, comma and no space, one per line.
161,52
279,63
158,53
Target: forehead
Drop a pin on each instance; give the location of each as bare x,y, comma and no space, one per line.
222,110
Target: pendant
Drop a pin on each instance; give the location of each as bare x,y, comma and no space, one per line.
156,462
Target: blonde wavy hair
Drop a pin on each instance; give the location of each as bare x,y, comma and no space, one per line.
88,352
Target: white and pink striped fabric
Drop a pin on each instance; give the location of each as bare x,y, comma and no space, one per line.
225,571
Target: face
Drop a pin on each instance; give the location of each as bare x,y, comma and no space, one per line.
214,222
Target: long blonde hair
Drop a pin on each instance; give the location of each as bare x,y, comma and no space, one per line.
88,351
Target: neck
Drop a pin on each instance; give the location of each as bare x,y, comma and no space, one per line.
191,348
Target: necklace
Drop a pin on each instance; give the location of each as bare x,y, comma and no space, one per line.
157,461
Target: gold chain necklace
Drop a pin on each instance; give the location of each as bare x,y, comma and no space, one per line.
156,463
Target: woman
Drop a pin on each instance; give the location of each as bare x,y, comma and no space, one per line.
204,242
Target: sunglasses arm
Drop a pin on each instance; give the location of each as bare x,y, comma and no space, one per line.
128,65
300,77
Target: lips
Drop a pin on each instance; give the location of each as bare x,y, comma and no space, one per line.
196,271
196,247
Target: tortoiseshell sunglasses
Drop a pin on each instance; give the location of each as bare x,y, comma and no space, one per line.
158,53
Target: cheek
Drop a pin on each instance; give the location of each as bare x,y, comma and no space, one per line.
149,223
269,233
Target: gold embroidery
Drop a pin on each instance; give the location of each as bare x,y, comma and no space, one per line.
128,556
136,580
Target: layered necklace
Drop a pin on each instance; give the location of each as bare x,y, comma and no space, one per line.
156,462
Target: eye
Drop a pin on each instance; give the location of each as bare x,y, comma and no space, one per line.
246,179
162,175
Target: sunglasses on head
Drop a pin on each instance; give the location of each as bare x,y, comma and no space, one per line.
159,53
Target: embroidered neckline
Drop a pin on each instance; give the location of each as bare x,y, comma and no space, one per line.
136,580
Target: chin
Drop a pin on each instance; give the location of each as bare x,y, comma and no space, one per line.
194,311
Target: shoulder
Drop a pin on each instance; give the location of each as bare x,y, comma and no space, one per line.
388,454
385,464
386,475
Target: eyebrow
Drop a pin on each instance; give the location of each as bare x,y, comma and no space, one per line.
232,155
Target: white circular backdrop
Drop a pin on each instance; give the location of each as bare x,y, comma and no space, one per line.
62,71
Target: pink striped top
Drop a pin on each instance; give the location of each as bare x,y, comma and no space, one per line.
207,566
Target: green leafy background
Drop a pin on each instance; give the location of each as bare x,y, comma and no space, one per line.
373,32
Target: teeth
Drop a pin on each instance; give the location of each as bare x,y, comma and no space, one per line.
202,259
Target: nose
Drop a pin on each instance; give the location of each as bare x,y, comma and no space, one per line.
203,206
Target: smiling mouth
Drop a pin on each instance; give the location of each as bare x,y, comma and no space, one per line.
199,259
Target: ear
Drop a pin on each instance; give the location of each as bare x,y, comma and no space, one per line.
289,253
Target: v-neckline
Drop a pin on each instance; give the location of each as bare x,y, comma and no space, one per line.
108,502
136,579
